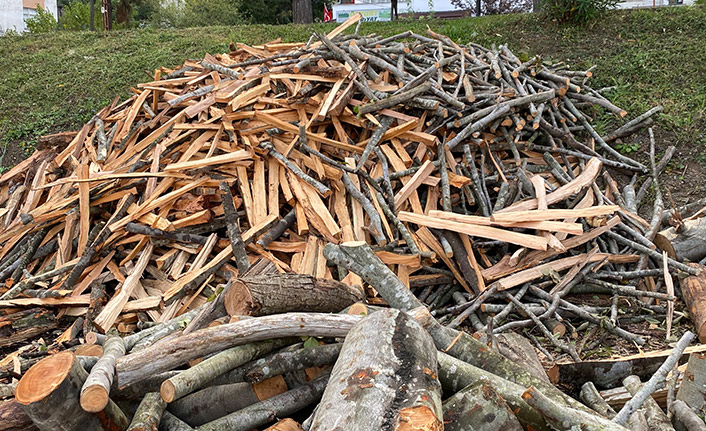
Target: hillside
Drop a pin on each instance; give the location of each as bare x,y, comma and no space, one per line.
57,81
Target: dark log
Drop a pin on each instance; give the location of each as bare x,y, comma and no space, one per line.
14,418
385,378
269,410
478,407
50,390
280,293
233,228
215,402
283,362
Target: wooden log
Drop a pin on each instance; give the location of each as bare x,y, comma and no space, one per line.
359,258
455,375
269,410
693,290
283,362
215,402
14,418
200,375
149,413
686,243
96,390
478,407
165,356
280,293
50,390
693,387
170,422
386,381
567,419
686,418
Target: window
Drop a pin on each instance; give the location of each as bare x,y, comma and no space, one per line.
28,13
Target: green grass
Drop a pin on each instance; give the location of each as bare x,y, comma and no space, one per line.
57,81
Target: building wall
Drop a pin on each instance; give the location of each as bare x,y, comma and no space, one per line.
13,12
11,16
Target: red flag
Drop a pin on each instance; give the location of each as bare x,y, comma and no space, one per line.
328,14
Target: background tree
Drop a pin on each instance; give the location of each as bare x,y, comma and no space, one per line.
302,12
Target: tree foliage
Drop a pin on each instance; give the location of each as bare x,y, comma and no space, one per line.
495,7
42,22
576,11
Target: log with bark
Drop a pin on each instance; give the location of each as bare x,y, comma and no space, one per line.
384,378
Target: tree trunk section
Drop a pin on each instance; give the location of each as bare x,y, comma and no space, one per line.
693,387
687,244
693,290
384,379
280,293
14,418
50,392
478,408
302,12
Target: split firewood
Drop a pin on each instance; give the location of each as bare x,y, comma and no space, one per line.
391,376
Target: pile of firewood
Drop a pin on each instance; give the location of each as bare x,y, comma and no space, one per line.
459,184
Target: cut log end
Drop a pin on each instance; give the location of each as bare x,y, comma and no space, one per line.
418,418
43,378
238,300
167,391
89,350
94,399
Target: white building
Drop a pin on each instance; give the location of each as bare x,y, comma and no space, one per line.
379,10
14,12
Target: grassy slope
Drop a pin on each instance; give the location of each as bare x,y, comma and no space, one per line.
57,81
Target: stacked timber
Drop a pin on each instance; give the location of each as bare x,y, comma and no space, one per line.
214,218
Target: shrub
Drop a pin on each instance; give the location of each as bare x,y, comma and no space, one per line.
77,16
576,11
197,13
42,22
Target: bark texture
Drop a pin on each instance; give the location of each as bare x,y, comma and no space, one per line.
694,292
95,391
280,293
214,402
693,387
478,407
14,418
384,379
148,413
166,356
